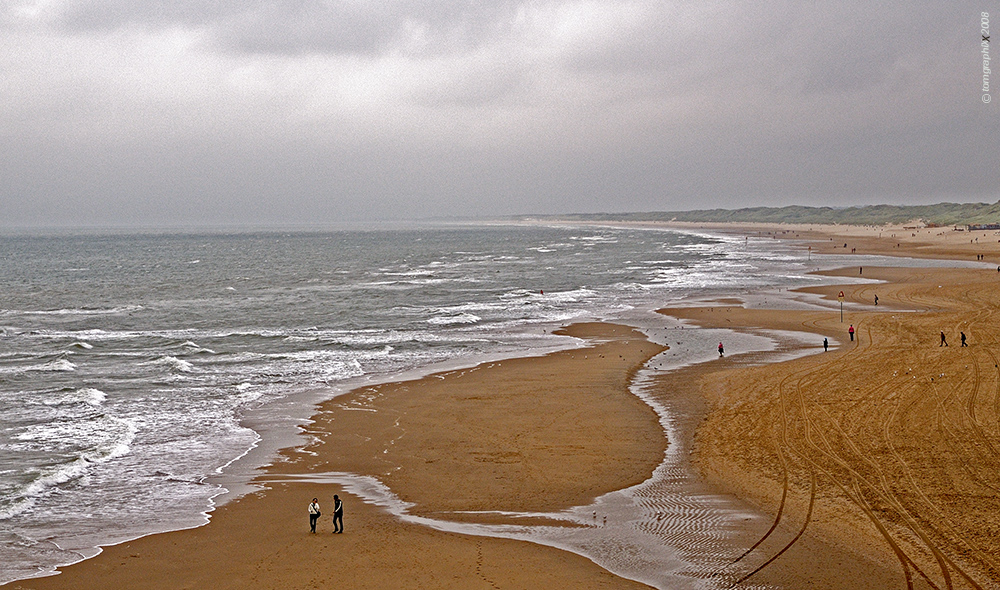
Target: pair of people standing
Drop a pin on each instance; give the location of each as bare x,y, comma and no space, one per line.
338,514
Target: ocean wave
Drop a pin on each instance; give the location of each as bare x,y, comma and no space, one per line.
634,287
384,337
387,285
88,395
193,348
596,239
85,311
174,363
572,296
544,296
100,335
17,506
517,293
58,366
470,307
462,318
112,438
411,273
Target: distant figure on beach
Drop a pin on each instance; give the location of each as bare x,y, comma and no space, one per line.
876,300
861,270
721,350
314,514
338,514
944,342
826,345
963,338
851,332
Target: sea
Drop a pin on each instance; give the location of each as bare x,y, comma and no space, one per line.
146,376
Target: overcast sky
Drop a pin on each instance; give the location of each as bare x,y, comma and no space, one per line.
178,112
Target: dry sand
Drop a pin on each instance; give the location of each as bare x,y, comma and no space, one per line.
877,462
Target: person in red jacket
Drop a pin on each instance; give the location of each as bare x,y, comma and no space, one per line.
851,332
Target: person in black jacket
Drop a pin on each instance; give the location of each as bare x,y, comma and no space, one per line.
338,514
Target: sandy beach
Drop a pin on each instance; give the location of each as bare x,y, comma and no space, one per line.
565,430
875,464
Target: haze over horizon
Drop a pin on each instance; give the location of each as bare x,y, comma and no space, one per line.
225,112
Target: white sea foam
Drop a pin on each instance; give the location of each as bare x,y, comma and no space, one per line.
195,349
92,396
110,437
462,318
572,296
175,363
101,335
411,273
471,306
57,365
85,311
87,395
19,506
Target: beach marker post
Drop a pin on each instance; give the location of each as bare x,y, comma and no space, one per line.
841,298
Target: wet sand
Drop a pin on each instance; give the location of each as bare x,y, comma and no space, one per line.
873,465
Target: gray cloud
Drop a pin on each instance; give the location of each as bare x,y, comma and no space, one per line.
255,112
300,26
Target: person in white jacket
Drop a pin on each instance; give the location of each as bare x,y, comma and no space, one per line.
314,514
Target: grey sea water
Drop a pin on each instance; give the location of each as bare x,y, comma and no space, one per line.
130,364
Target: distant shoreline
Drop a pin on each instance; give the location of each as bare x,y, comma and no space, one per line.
936,215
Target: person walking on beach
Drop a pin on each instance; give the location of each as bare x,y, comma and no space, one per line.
826,345
851,332
721,350
876,300
338,514
963,338
314,514
943,341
